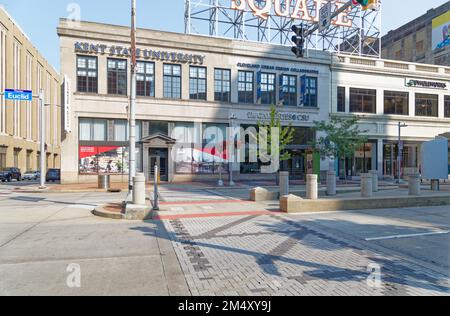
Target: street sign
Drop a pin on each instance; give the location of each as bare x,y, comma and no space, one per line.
325,17
18,95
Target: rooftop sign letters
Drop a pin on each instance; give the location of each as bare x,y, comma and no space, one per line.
298,10
122,51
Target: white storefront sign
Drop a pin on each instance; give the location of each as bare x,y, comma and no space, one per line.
67,109
427,84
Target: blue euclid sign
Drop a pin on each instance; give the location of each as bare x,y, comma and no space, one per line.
18,95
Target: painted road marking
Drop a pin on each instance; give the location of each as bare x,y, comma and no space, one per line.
209,215
83,206
408,236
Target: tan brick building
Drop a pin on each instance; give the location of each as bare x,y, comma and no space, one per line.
23,67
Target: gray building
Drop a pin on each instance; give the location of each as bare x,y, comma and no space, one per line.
413,42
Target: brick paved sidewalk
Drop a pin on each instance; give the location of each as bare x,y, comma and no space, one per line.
275,255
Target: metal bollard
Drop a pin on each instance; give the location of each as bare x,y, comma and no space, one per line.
284,183
139,189
312,187
156,191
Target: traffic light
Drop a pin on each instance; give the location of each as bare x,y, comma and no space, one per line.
362,3
299,40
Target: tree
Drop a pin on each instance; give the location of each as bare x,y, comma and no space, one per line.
342,137
286,136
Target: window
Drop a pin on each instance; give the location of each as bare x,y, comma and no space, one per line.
341,99
289,90
87,74
145,79
120,131
427,105
419,47
447,106
197,83
245,87
92,129
222,85
172,81
311,92
3,151
117,76
158,127
396,103
268,89
363,100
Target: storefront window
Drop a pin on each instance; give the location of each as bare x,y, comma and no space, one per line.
172,81
222,85
117,76
245,87
268,82
197,83
103,160
447,106
396,103
427,105
87,73
341,99
145,79
289,90
363,100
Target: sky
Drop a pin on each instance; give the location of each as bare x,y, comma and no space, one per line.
39,18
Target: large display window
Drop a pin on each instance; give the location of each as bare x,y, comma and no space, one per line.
103,160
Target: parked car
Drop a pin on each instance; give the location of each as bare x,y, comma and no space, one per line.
31,175
53,175
9,174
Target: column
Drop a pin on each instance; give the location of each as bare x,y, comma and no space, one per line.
380,157
441,106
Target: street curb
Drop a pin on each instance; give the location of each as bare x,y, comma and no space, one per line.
100,211
66,191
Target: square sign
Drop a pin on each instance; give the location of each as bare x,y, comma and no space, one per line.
18,95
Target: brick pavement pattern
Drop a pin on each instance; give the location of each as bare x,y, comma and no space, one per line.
278,256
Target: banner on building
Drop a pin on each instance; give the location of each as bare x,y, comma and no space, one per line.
441,31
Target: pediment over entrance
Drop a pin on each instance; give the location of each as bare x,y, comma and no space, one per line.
158,140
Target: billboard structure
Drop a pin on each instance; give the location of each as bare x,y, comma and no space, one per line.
441,32
354,31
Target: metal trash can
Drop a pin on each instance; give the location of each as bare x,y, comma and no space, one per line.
104,181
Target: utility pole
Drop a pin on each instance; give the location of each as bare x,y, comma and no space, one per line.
231,147
132,119
43,127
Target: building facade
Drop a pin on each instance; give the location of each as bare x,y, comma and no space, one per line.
23,67
414,41
383,93
188,88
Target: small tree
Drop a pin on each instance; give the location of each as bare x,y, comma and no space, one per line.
342,138
286,136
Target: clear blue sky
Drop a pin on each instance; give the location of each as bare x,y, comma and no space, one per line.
39,18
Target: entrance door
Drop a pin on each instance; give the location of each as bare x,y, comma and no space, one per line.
159,157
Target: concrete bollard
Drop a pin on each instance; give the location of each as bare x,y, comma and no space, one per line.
312,187
331,183
139,189
434,185
284,183
374,174
414,184
366,185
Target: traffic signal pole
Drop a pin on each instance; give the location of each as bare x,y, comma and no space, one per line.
335,14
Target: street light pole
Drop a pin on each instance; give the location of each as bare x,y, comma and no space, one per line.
42,132
132,119
400,150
